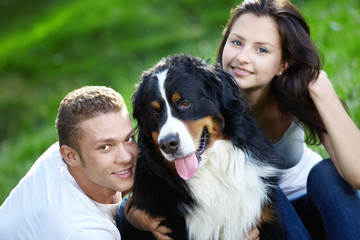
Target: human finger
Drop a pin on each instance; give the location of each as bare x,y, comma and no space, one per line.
163,229
254,234
160,236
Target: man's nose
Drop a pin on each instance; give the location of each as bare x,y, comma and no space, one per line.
123,154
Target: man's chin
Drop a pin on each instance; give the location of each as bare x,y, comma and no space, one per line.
125,188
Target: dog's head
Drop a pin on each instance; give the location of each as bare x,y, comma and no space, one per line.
183,105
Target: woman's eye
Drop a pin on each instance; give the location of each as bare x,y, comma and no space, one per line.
236,42
155,115
185,104
263,50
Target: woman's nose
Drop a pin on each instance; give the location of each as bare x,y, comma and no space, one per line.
243,55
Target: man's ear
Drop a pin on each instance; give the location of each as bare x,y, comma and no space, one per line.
70,156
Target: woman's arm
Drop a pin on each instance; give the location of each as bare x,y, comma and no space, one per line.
343,139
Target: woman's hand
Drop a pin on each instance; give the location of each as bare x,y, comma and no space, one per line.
321,87
141,220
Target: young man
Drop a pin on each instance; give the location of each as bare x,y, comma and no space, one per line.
73,191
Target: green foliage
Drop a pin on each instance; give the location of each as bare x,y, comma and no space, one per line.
335,29
52,47
49,48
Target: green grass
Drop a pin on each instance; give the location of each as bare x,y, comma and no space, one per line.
51,47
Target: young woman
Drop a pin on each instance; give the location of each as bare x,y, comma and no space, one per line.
267,48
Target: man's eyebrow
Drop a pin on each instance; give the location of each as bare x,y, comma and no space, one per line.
104,140
132,132
108,140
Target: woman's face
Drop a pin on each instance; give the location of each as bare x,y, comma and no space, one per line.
252,53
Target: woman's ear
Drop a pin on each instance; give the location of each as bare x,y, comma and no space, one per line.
282,69
70,156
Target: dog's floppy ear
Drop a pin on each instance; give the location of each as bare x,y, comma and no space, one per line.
231,94
141,95
222,88
137,99
233,107
140,98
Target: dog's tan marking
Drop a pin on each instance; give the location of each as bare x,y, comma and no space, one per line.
175,97
155,136
171,165
155,104
267,215
196,128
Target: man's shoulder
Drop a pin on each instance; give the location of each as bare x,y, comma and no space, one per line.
52,153
66,218
85,222
48,161
42,187
57,225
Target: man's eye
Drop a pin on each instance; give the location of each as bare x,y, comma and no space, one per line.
104,147
130,139
185,104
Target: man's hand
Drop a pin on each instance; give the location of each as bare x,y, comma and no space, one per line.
159,231
141,220
253,235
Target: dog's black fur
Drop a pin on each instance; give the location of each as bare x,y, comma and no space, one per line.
158,189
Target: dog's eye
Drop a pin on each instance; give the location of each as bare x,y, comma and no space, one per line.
155,115
185,104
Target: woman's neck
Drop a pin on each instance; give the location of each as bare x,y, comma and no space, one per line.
264,108
259,99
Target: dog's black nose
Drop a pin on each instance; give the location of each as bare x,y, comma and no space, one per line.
170,144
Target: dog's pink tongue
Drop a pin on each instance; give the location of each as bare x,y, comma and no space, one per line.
186,167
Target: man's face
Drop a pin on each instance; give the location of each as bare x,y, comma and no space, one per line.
108,152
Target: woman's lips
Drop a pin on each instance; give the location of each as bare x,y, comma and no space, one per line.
241,71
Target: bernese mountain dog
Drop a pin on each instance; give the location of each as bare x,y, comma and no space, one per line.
203,164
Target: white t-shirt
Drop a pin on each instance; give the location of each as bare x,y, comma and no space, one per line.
48,204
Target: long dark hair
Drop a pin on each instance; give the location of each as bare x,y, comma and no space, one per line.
300,54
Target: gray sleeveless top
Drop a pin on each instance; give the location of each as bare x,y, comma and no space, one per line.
290,147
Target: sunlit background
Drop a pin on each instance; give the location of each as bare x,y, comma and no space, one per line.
50,47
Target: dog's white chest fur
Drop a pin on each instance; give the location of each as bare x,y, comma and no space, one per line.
229,192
